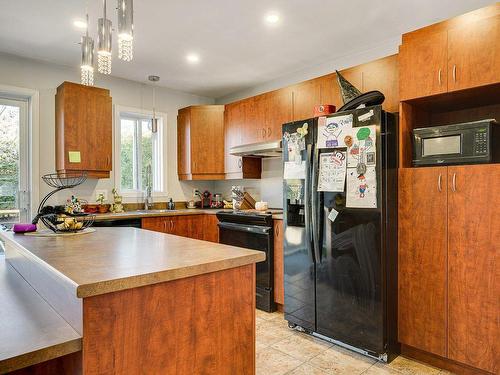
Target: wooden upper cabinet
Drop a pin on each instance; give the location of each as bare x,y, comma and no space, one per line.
474,54
306,95
383,75
237,167
423,66
278,111
474,263
422,258
200,142
83,130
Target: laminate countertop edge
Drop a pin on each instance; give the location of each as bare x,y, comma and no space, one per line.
131,282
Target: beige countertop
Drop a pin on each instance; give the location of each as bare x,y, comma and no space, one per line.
112,259
277,214
30,330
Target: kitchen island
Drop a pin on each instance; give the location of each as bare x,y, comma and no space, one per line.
146,302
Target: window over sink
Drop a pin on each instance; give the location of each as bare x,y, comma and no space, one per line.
139,152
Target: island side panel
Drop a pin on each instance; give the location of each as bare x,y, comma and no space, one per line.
201,324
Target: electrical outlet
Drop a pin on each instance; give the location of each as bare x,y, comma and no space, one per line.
103,192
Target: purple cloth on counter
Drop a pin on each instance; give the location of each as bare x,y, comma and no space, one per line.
23,228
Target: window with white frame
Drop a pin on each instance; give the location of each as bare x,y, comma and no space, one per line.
139,152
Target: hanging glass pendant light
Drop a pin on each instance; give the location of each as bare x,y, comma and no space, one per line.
126,30
154,120
87,65
104,56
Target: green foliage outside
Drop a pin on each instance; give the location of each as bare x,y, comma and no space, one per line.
9,156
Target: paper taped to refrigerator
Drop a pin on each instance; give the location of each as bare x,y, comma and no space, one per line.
294,170
361,190
362,147
334,131
332,170
333,215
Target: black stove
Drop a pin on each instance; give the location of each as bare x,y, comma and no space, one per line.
253,230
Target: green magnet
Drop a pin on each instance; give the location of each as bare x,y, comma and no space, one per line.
363,133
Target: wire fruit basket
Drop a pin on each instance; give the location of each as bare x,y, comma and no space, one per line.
55,218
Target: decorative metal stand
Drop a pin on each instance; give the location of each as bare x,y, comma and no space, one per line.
52,217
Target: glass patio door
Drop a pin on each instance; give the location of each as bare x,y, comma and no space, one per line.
14,159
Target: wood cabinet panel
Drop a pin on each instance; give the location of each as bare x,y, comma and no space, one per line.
474,266
278,111
183,144
329,90
200,142
210,229
383,75
234,122
474,54
306,95
197,325
279,277
422,258
423,66
84,125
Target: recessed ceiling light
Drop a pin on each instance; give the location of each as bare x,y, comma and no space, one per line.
81,24
193,58
272,18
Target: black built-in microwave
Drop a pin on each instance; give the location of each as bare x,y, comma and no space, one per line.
466,143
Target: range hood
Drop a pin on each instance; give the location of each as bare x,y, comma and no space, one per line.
269,149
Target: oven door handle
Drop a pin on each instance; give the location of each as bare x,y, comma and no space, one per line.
245,228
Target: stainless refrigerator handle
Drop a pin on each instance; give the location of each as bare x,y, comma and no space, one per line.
314,195
307,209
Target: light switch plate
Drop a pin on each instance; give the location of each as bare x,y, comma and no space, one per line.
103,192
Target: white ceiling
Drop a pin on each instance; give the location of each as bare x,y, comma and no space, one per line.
237,49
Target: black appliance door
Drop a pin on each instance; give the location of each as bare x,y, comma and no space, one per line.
298,251
255,238
349,283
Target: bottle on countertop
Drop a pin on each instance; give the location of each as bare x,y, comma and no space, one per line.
171,204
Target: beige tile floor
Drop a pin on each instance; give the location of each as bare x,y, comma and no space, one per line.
281,350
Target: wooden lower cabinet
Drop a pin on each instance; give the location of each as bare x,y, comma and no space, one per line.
474,266
279,279
422,258
449,250
200,227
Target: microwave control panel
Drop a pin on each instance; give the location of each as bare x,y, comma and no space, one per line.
481,141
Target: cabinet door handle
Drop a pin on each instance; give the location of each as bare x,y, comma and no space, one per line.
439,76
454,73
171,225
268,132
439,183
164,225
454,182
240,163
277,230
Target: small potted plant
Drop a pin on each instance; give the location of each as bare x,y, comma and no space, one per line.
103,208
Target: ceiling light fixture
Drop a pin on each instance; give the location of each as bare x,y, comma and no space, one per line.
80,24
272,18
125,30
104,56
87,65
154,120
193,58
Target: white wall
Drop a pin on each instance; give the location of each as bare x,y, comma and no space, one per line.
268,189
44,77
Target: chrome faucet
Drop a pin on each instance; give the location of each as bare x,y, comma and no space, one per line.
148,201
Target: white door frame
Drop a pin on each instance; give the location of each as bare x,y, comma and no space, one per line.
32,177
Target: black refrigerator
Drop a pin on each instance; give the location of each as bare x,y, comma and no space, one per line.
340,241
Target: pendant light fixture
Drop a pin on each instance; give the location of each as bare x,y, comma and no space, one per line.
87,64
104,56
125,30
154,120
